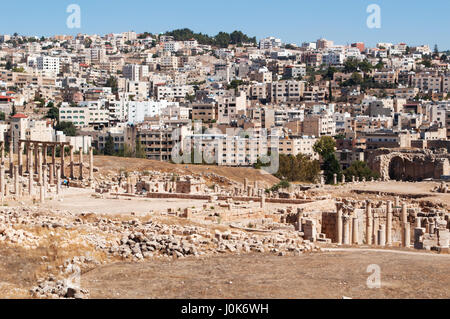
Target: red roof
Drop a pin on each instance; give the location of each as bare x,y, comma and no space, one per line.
20,116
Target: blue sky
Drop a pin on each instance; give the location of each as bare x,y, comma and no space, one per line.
294,21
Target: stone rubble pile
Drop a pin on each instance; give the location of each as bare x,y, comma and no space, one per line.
20,237
57,289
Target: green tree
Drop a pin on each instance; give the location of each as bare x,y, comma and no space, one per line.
53,113
2,116
112,83
140,149
68,128
331,166
109,146
360,169
297,168
325,146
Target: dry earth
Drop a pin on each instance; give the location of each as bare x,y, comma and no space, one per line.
317,275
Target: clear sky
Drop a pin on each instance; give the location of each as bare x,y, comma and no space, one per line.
294,21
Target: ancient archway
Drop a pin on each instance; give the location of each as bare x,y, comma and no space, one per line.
397,168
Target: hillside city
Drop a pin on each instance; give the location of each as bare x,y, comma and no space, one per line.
132,153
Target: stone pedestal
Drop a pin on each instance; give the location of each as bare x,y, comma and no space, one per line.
418,237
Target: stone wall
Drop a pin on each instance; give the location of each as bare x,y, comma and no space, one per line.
408,164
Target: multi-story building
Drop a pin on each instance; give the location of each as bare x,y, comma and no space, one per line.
48,64
287,91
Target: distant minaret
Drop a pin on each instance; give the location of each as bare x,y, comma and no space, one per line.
228,70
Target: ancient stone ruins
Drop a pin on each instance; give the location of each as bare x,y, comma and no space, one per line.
171,215
37,177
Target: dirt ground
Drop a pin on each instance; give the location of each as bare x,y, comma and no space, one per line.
107,164
318,275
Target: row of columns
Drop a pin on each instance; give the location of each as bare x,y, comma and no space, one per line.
376,234
43,179
38,151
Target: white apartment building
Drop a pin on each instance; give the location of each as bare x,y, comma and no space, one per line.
229,106
86,114
135,72
168,62
23,128
295,145
138,89
48,64
163,92
287,91
172,46
138,111
269,43
333,58
98,55
427,82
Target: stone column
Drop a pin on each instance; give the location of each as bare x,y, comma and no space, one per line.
404,213
2,180
2,153
41,193
339,223
58,180
346,223
28,150
11,158
81,163
51,175
71,163
353,178
44,176
382,235
418,222
334,179
91,164
16,180
389,223
53,166
263,201
30,181
355,231
406,238
397,201
36,156
375,227
45,151
20,157
343,179
39,164
369,223
63,155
